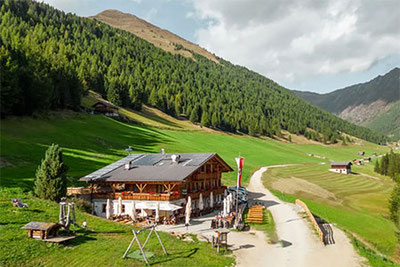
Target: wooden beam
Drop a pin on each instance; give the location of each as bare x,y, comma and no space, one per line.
165,186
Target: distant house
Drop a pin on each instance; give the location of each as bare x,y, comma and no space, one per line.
105,108
358,162
361,153
367,159
374,154
341,167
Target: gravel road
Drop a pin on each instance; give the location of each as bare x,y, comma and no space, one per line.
298,246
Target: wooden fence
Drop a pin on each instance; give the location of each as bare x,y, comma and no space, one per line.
312,219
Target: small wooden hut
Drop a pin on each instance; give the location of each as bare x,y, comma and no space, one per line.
42,230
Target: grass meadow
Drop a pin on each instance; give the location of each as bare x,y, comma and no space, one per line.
357,203
90,142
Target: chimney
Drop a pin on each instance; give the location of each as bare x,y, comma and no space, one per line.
175,158
127,165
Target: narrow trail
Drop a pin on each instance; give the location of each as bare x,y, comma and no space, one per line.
298,245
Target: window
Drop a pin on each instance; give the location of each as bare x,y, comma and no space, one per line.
104,208
208,168
123,208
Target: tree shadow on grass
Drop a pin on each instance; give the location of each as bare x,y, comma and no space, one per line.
79,240
175,254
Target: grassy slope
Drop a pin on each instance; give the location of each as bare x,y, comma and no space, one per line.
102,247
92,141
360,204
388,123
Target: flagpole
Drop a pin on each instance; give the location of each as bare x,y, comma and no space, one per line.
237,196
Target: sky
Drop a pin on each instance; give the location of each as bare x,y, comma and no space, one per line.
308,45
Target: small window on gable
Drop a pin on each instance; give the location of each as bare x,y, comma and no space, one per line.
208,168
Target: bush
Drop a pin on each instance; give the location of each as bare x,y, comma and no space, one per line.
81,204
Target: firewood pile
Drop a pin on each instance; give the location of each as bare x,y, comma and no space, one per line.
255,214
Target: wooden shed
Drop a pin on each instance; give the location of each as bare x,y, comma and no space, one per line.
105,108
42,230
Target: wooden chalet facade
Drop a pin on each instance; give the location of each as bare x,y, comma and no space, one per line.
341,167
146,181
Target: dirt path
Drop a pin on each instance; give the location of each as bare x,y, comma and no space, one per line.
299,246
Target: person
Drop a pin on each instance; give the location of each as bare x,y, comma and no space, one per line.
165,220
173,220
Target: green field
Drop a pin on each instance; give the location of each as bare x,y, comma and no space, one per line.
356,202
104,246
92,141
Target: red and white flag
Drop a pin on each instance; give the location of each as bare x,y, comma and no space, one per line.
239,162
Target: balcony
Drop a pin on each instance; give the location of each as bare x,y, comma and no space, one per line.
155,196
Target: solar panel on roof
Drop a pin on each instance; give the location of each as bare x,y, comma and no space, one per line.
112,166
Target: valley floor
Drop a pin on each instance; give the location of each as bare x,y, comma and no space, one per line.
298,245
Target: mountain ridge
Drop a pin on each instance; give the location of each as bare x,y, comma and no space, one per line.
361,103
82,54
159,37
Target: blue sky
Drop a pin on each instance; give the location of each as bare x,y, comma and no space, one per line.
306,45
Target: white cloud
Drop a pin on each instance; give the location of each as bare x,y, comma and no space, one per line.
291,41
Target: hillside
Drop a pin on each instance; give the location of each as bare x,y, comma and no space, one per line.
90,142
161,38
365,103
387,123
50,59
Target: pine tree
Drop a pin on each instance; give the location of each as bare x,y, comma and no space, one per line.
205,119
394,203
377,167
194,115
51,174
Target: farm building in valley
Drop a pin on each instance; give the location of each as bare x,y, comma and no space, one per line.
143,183
105,108
341,167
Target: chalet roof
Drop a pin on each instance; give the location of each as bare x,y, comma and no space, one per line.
42,226
341,163
105,104
153,167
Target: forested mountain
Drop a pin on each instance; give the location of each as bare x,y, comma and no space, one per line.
370,104
49,59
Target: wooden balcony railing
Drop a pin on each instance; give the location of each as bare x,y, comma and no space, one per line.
156,197
78,191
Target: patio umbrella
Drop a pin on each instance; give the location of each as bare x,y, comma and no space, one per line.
188,210
133,210
108,209
211,200
201,202
157,211
119,206
143,213
224,208
228,204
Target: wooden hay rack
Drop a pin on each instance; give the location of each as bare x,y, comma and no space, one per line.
141,247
